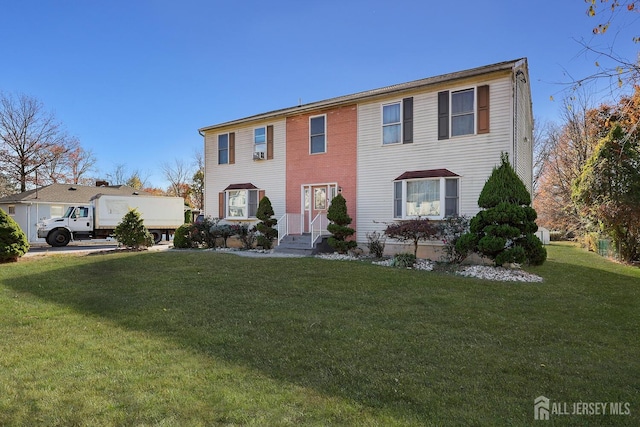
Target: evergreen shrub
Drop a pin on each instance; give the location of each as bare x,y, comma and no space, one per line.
504,230
339,226
13,241
266,225
132,233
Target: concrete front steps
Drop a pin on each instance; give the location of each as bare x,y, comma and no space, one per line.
301,245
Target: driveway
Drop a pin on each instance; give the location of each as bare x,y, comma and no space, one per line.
82,247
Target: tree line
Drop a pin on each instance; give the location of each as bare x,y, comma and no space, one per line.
36,150
588,172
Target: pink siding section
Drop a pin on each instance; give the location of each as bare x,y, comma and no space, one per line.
338,164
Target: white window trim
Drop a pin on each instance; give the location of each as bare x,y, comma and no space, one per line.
442,200
475,111
227,206
255,144
387,104
326,142
218,148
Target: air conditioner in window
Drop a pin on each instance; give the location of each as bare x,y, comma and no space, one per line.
258,155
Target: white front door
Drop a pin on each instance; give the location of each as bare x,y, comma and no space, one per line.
316,200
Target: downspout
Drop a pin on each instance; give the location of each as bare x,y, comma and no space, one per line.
204,178
519,73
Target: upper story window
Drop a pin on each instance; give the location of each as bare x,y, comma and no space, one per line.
12,210
317,133
424,194
223,149
227,148
260,142
463,112
391,124
397,122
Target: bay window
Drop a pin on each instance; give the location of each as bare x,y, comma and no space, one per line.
242,203
433,197
239,201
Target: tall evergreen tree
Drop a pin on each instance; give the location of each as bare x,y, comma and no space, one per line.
504,230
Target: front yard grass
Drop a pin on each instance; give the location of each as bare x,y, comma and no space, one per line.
199,338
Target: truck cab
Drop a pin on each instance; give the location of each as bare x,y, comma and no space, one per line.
76,224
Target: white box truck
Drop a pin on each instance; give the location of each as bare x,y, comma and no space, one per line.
97,220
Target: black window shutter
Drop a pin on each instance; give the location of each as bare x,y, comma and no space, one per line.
407,120
443,115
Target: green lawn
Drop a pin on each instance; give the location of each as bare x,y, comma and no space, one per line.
199,338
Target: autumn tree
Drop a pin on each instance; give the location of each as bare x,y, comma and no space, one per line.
30,138
71,165
608,189
567,148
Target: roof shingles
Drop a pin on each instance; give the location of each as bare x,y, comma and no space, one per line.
69,193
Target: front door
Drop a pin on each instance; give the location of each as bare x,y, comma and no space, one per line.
316,200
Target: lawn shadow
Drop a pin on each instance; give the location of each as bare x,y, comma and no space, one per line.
367,334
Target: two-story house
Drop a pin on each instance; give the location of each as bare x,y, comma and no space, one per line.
423,148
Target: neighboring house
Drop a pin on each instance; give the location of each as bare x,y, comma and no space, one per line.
52,201
423,148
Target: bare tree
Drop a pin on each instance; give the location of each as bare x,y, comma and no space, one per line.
179,175
120,175
545,137
568,147
30,138
80,163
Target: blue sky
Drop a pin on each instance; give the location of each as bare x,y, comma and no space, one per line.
134,80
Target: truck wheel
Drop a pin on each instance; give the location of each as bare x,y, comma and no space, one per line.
157,236
59,238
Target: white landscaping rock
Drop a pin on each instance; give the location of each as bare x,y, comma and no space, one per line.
498,273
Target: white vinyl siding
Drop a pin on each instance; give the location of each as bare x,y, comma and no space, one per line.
472,157
265,175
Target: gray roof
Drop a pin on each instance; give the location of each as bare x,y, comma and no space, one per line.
375,93
69,193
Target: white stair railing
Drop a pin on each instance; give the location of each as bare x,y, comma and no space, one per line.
289,223
318,227
282,228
